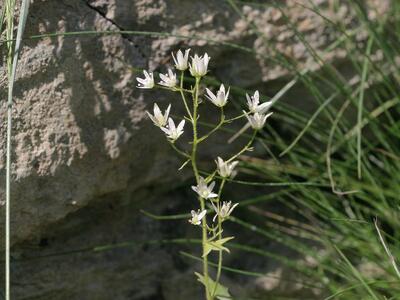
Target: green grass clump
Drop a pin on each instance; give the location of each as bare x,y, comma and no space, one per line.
349,221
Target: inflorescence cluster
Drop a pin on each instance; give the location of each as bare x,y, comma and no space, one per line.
209,200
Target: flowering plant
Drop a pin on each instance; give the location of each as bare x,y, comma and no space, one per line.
208,200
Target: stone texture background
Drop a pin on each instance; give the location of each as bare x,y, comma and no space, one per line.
86,158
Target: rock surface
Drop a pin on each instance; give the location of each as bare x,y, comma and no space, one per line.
82,139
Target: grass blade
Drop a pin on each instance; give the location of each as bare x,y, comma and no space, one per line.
12,62
361,105
356,273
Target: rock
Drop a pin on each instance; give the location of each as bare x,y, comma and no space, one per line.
82,258
81,138
79,123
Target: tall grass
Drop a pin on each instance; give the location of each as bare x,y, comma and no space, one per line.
352,144
9,14
13,48
339,165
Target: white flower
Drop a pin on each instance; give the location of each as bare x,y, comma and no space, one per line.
199,65
158,118
168,80
257,121
225,210
147,82
226,169
221,98
197,216
181,61
173,132
203,190
254,105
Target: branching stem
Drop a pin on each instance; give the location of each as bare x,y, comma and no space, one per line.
181,90
219,268
196,174
218,126
179,151
245,148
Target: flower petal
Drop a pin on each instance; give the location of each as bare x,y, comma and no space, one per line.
212,195
181,125
202,214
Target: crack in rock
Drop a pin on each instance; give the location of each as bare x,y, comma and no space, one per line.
120,28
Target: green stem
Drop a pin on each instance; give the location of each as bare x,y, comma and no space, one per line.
194,122
179,151
235,118
173,89
196,174
183,97
219,268
218,126
245,148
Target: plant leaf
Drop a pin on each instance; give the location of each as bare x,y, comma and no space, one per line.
216,245
221,292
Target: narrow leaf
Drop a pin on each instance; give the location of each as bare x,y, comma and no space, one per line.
216,245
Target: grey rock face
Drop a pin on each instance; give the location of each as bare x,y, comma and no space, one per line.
79,121
81,137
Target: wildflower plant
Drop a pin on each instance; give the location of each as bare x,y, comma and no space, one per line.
209,199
